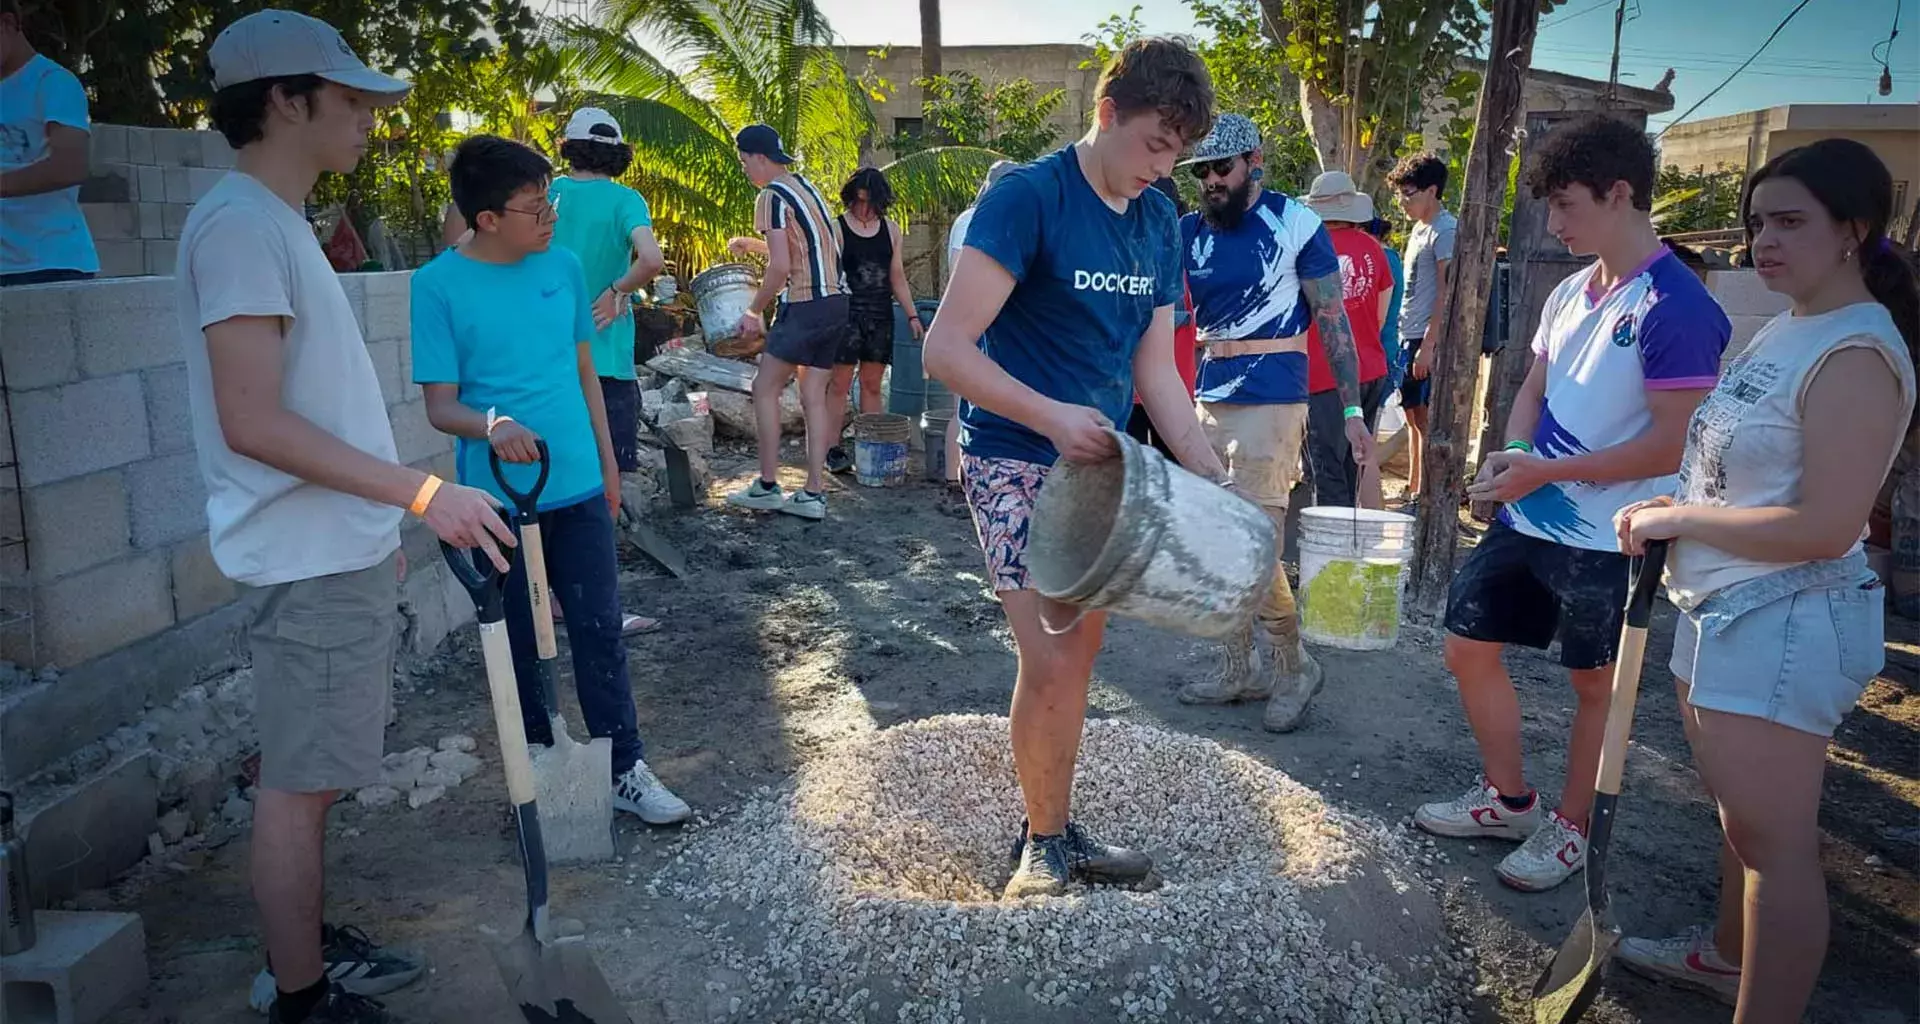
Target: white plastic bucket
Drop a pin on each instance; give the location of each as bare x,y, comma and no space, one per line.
1353,576
1144,538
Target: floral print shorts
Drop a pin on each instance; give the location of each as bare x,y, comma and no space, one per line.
1000,494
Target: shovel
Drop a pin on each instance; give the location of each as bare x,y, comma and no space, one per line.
553,982
1567,987
573,780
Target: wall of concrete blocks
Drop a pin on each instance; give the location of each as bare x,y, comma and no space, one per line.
124,596
1747,303
142,184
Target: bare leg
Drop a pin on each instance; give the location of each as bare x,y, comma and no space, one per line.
1416,448
289,840
768,382
1766,778
1049,702
1730,921
1592,692
837,389
1493,709
870,374
953,448
822,433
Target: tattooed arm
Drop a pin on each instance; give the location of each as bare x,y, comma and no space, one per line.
1325,297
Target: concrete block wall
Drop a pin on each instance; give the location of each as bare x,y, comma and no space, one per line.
124,597
143,182
1748,304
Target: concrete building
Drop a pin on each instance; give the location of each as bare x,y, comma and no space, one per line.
1745,141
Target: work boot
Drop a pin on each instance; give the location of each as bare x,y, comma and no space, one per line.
1299,678
1246,671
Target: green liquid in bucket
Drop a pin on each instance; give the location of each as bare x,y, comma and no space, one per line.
1355,599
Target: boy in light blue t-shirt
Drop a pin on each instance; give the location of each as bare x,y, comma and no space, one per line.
502,342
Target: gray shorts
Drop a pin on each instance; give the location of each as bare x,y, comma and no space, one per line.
323,678
1801,661
810,333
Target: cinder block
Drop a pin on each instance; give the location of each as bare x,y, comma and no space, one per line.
160,256
173,219
85,836
108,183
84,966
389,298
168,498
150,183
413,437
200,181
386,366
76,524
173,147
128,325
108,143
79,428
214,151
38,337
169,412
103,608
1744,328
112,220
179,187
198,584
140,145
121,258
1742,293
437,604
148,222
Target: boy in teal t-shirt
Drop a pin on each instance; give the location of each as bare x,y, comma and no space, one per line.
501,343
608,226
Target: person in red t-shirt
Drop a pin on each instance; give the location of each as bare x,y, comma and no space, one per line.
1368,289
1186,344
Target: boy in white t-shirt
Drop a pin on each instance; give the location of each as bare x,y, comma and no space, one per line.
1625,350
304,493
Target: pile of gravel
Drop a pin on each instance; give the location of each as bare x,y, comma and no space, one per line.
868,889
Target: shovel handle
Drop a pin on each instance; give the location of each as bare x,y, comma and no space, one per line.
539,594
527,502
1644,585
484,583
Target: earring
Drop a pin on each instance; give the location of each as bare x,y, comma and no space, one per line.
1847,257
1257,174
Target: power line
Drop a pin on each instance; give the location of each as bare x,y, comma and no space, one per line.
1743,66
1584,10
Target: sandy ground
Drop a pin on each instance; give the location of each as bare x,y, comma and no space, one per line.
791,635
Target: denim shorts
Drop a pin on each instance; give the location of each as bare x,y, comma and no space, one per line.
1800,661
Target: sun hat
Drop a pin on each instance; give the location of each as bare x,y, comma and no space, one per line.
1334,196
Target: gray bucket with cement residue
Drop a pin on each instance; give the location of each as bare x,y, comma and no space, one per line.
1141,537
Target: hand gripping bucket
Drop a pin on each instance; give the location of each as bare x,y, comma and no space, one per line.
1353,576
1141,537
880,449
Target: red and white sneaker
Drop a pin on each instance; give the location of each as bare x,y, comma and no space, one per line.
1479,814
1550,856
1689,960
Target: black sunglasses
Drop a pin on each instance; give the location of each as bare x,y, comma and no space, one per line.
1207,168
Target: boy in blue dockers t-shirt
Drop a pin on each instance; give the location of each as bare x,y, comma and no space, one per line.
1060,305
502,343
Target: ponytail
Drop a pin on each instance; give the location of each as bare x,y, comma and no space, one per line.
1890,277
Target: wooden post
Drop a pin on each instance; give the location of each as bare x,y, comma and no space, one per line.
1456,360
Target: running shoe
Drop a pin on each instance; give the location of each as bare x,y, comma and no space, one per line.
639,792
1689,960
1556,850
352,962
338,1006
806,505
759,496
1479,813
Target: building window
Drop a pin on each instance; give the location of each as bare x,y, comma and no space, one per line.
911,127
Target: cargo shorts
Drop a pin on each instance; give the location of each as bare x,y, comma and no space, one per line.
323,652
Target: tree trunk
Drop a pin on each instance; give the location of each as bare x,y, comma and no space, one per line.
1457,355
930,66
1324,125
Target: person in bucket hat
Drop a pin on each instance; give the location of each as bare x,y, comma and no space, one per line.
1262,272
1367,288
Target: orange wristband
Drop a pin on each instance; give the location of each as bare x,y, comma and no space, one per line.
425,496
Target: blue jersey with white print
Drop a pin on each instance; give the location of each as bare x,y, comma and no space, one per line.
1246,285
1087,281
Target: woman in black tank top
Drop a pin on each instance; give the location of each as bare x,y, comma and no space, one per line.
876,278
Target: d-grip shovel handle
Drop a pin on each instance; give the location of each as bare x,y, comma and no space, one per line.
1644,583
526,502
533,550
484,582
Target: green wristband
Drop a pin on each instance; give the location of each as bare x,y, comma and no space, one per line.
1352,412
1520,446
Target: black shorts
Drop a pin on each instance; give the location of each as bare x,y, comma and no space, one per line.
1413,393
869,338
809,333
1517,589
623,420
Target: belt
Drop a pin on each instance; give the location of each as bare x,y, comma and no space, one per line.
1255,346
1721,608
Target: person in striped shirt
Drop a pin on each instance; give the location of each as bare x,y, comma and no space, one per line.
803,264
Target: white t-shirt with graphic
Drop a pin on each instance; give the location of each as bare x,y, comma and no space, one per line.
1656,329
44,231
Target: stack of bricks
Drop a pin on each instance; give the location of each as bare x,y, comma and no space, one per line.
143,181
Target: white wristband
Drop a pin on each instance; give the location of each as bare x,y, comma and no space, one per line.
495,420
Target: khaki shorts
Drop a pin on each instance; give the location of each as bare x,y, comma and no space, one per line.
323,678
1260,446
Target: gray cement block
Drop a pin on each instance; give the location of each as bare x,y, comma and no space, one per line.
148,221
109,183
39,339
48,424
389,305
179,188
77,524
129,325
169,415
200,181
107,143
413,437
85,965
168,498
173,147
161,254
198,584
121,258
140,145
103,609
214,151
112,220
386,367
92,832
434,603
173,219
150,182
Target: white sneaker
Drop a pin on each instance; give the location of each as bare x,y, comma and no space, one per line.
641,793
806,505
1479,814
1689,960
758,496
1548,857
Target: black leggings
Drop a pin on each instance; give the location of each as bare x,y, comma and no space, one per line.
1140,428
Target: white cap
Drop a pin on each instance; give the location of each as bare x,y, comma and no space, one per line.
277,44
580,127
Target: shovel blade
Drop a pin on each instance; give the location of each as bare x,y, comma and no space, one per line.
1567,987
556,982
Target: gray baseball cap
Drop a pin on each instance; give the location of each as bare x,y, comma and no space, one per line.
277,44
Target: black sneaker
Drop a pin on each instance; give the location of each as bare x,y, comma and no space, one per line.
839,460
1091,860
352,963
338,1006
1045,868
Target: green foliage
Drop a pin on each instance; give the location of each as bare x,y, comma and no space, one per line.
1011,117
1110,37
1250,77
1697,200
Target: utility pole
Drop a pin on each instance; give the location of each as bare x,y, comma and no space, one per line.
1456,362
1613,71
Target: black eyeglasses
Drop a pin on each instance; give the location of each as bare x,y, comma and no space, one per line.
540,214
1208,168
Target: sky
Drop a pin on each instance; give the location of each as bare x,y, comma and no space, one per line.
1823,56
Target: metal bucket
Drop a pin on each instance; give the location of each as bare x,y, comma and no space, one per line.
723,292
1144,538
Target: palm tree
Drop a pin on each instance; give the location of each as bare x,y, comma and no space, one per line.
931,64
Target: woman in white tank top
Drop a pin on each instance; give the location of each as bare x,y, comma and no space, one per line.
1781,620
